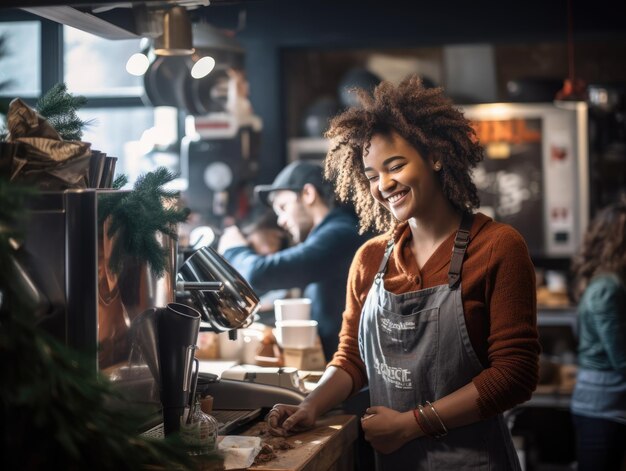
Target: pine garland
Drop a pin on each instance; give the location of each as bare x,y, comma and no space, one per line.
137,216
60,109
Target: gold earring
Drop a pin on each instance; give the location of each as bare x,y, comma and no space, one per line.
437,166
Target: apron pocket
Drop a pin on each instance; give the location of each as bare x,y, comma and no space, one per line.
412,335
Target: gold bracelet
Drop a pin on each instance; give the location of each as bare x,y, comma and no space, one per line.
443,426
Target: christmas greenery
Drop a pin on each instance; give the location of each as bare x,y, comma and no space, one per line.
54,408
137,216
60,109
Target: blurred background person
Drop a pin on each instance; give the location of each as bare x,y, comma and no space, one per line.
266,237
264,234
325,239
599,399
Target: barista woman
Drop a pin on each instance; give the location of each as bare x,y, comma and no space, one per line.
440,317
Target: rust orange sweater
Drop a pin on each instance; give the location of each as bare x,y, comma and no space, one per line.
499,302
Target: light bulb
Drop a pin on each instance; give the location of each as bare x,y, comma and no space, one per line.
137,64
203,67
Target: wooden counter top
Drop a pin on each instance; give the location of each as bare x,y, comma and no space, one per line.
328,446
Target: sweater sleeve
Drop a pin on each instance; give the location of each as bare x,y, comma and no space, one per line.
513,344
348,356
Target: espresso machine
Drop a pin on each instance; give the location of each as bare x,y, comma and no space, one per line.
139,330
109,318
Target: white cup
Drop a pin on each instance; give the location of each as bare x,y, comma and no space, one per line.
292,309
251,342
296,333
230,349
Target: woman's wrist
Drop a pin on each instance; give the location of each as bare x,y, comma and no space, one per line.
410,426
309,406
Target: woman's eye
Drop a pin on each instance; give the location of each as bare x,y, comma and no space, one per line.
396,167
371,178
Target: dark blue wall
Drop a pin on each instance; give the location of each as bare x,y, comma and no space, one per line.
276,25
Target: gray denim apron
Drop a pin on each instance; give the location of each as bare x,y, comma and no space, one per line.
417,349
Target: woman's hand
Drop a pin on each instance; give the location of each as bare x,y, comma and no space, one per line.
284,418
387,430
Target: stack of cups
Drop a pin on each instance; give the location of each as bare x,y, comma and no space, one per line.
294,327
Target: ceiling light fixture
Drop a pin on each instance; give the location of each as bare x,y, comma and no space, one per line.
137,64
202,67
574,88
176,39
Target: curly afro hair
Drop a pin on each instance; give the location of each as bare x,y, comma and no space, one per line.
604,247
426,119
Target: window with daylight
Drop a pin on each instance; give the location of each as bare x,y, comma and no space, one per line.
95,66
20,59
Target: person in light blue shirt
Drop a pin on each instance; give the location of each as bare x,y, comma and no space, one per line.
325,237
599,399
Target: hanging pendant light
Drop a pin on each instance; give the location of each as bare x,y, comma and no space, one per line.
176,39
574,88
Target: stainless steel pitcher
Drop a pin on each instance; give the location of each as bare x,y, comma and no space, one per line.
229,308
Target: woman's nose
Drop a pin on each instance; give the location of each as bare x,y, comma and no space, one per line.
385,182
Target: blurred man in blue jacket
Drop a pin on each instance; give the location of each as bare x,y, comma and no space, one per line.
326,238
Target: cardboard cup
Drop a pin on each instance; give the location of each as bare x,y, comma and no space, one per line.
292,309
296,333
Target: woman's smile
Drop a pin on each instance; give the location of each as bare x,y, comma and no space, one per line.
397,198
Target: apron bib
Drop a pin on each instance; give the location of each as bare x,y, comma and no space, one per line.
416,348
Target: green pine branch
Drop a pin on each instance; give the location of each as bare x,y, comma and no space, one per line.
60,109
136,217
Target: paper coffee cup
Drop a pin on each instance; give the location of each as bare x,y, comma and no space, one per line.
292,309
251,342
296,333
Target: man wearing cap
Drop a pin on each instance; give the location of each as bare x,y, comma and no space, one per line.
326,238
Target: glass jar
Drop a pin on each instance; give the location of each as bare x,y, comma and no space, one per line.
201,431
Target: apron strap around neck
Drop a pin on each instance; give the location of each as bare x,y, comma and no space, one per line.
461,240
383,263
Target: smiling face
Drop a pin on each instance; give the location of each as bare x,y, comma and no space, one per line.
400,178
